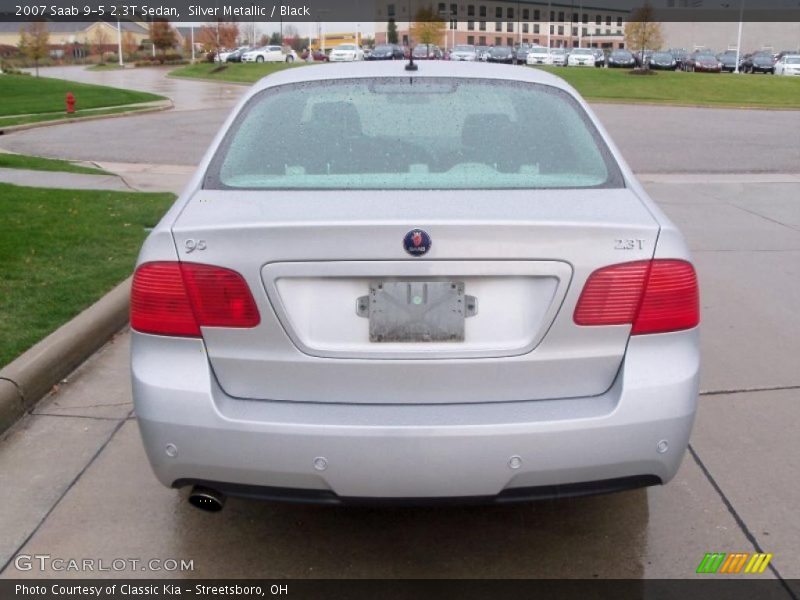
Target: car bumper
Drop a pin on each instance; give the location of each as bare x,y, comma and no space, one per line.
636,431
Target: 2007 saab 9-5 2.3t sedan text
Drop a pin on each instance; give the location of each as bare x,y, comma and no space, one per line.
440,284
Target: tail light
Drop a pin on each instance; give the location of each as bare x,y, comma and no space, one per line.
171,298
655,296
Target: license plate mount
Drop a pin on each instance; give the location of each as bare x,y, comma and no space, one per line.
416,311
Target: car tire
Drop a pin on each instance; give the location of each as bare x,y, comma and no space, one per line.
290,59
259,59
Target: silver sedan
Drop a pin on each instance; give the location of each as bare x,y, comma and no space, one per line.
431,284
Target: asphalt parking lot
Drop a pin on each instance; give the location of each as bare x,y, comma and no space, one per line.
76,483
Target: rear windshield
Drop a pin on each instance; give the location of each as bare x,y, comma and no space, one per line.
412,133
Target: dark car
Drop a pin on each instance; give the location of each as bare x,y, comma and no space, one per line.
236,55
317,56
521,54
599,57
663,61
501,54
728,61
386,52
760,62
702,62
427,52
621,59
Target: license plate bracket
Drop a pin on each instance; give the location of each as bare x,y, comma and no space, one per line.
416,311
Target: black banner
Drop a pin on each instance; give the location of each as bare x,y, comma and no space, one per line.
372,589
309,11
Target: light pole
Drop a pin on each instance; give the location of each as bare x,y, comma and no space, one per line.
739,40
119,43
192,42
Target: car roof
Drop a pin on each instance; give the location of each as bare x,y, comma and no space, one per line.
367,69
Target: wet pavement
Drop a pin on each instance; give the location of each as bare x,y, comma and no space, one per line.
653,139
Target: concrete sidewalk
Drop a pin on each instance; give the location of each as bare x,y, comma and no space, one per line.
76,482
126,177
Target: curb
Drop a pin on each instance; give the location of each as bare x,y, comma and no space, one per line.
25,380
165,105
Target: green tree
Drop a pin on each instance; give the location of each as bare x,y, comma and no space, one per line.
391,32
275,39
33,42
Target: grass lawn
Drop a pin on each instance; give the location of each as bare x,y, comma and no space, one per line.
104,67
30,99
234,72
60,251
36,163
669,87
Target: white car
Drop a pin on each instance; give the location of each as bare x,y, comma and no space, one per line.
346,53
538,55
466,52
581,57
269,54
558,57
788,65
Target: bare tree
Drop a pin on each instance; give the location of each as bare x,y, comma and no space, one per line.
33,42
642,32
100,40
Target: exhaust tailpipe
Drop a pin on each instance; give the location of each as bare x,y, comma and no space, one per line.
206,499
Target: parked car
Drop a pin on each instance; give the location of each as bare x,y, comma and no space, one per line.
316,56
427,52
270,54
728,61
663,61
501,54
386,52
680,55
538,55
599,57
464,52
521,54
293,342
789,64
346,53
223,54
558,57
236,55
702,61
621,59
760,62
482,52
581,57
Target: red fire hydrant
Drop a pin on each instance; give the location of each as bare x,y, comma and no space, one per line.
70,103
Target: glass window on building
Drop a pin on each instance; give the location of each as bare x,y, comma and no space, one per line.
390,10
537,15
471,40
525,28
536,28
482,11
482,40
471,25
471,10
526,14
598,20
482,26
498,12
510,27
498,26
